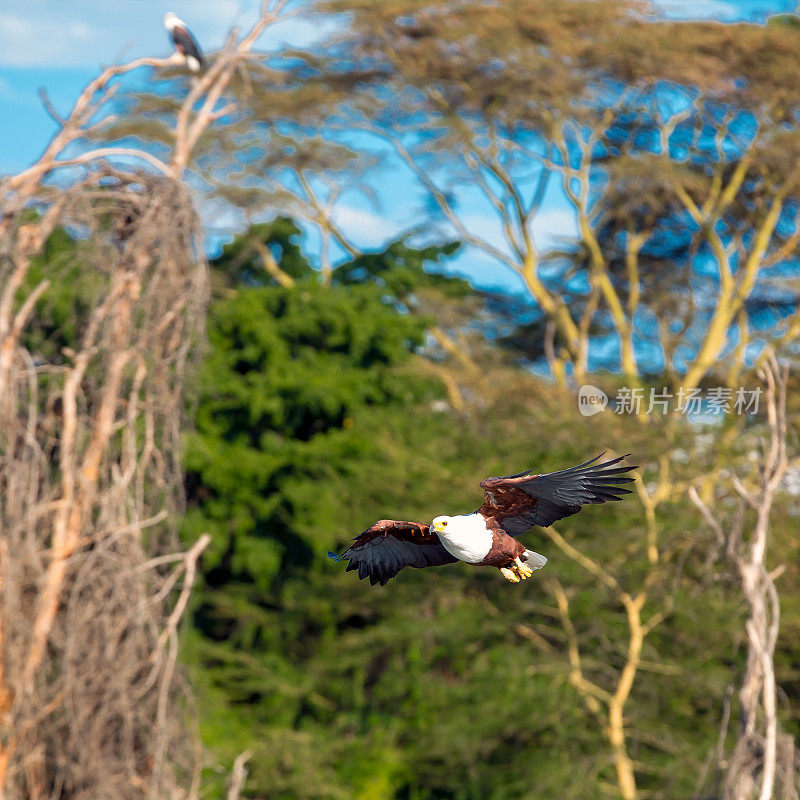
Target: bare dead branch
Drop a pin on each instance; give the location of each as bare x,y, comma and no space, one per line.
763,760
238,775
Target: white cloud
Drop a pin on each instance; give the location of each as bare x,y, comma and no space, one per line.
219,218
366,228
698,9
37,41
87,33
550,227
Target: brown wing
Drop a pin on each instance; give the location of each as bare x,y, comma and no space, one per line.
384,548
518,502
185,44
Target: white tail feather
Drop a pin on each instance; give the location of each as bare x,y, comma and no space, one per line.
534,560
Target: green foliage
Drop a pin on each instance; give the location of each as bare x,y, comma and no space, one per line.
314,420
428,688
241,264
62,312
400,270
288,373
784,20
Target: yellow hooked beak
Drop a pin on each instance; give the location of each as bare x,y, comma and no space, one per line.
438,527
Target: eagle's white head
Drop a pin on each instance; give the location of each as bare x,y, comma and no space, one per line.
172,21
439,525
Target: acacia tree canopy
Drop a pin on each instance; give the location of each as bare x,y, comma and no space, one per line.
672,143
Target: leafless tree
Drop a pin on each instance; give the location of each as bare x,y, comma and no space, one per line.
763,764
92,580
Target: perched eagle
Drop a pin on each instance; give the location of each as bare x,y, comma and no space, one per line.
184,42
510,507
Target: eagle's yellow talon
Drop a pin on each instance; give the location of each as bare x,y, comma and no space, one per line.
523,570
509,574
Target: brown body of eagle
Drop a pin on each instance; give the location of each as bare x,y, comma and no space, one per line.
512,505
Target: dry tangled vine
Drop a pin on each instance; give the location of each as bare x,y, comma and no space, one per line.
90,488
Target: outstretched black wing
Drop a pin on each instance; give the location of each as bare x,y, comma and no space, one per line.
185,44
383,549
518,502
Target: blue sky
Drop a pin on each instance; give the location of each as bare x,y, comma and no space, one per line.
60,44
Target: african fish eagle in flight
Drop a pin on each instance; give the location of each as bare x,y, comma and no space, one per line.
184,42
511,506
